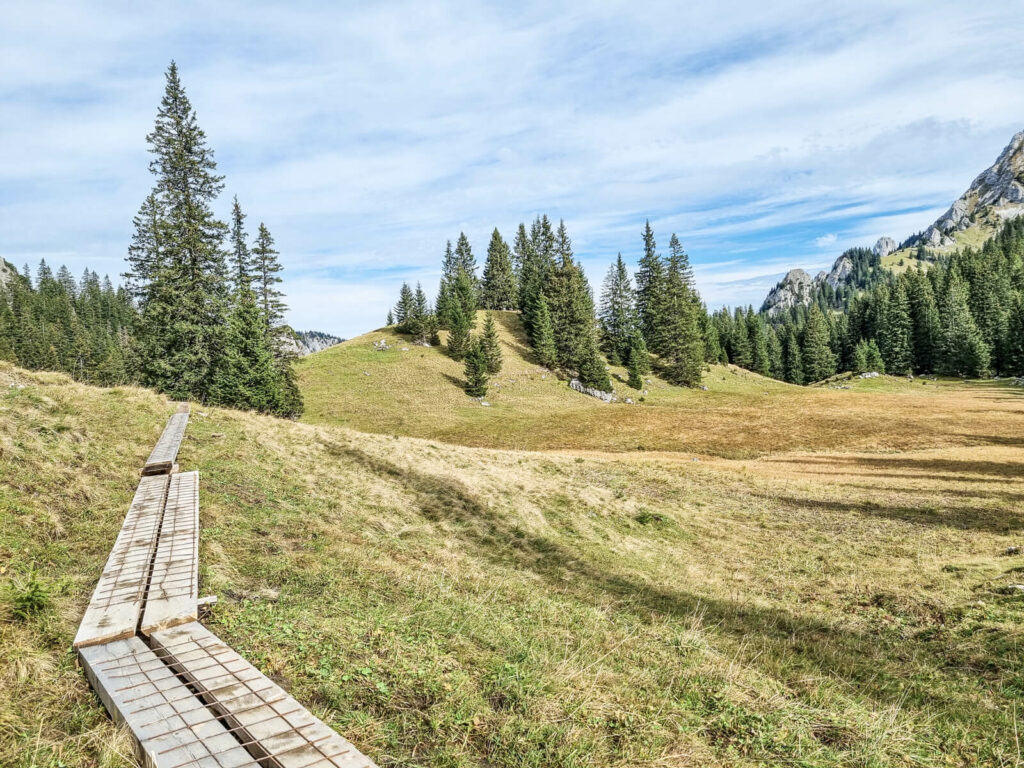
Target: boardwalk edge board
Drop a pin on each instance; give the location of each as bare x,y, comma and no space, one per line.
186,696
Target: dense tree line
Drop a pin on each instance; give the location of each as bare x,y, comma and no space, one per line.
59,324
962,316
201,314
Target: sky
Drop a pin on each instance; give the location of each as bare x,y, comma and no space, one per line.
766,135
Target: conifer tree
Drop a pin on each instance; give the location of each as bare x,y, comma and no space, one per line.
794,365
183,279
267,269
964,351
1015,337
739,341
241,259
449,270
650,287
490,345
499,290
404,308
592,371
760,360
476,369
247,376
462,315
466,261
639,361
544,337
924,315
571,306
682,345
391,318
818,361
897,332
777,365
618,313
537,255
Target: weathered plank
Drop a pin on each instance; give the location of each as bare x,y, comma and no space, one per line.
275,728
172,728
165,451
116,603
174,584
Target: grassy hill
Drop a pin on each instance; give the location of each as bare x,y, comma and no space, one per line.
417,391
448,606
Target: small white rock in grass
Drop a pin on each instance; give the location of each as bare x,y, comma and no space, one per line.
485,404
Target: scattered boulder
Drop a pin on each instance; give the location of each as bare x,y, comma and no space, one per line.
1011,551
704,387
869,375
485,404
884,246
1017,382
381,345
629,401
608,397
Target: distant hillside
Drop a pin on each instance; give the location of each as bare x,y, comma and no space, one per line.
994,197
417,391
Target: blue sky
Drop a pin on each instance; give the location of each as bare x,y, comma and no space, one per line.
767,135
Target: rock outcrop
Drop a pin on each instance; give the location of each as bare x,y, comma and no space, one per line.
302,343
608,397
884,246
997,194
795,288
7,271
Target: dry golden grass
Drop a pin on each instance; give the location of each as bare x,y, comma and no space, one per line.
445,605
410,390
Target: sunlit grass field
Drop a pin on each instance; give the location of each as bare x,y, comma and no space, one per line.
417,391
443,605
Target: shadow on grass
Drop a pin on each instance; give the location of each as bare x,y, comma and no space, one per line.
926,467
803,645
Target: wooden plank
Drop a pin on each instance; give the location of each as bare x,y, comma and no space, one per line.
173,596
171,726
165,451
277,729
117,601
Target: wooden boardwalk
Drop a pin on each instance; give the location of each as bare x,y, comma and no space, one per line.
188,699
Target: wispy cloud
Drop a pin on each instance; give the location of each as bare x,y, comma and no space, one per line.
364,136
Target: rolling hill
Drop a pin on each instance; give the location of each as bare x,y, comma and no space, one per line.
451,606
417,391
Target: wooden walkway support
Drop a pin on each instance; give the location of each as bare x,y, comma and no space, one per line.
277,729
172,728
173,596
161,460
188,699
116,604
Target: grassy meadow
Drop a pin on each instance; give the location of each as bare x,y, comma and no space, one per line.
839,594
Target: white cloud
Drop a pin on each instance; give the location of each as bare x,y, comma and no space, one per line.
366,136
826,241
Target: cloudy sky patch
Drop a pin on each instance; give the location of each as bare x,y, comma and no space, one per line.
366,135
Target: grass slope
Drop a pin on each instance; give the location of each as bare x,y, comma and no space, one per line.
417,391
448,606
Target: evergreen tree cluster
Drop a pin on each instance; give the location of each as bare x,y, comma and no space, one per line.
209,322
962,316
59,324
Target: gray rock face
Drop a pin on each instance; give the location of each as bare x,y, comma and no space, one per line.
884,247
795,288
840,272
608,397
997,194
6,272
302,343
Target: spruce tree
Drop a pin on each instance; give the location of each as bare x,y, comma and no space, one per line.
924,316
818,361
639,361
536,255
650,288
183,276
466,261
794,364
241,259
462,315
443,305
682,345
247,376
1015,337
390,319
777,366
544,336
592,371
962,348
404,308
476,369
572,307
897,332
739,341
499,290
490,345
267,269
617,315
760,359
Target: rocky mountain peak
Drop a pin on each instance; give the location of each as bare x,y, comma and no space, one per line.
884,246
997,194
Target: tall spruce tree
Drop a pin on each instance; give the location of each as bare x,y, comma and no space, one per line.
681,342
267,270
499,289
462,314
964,351
476,368
793,363
183,279
650,291
897,332
537,256
818,361
241,258
247,376
544,335
617,315
466,261
490,345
